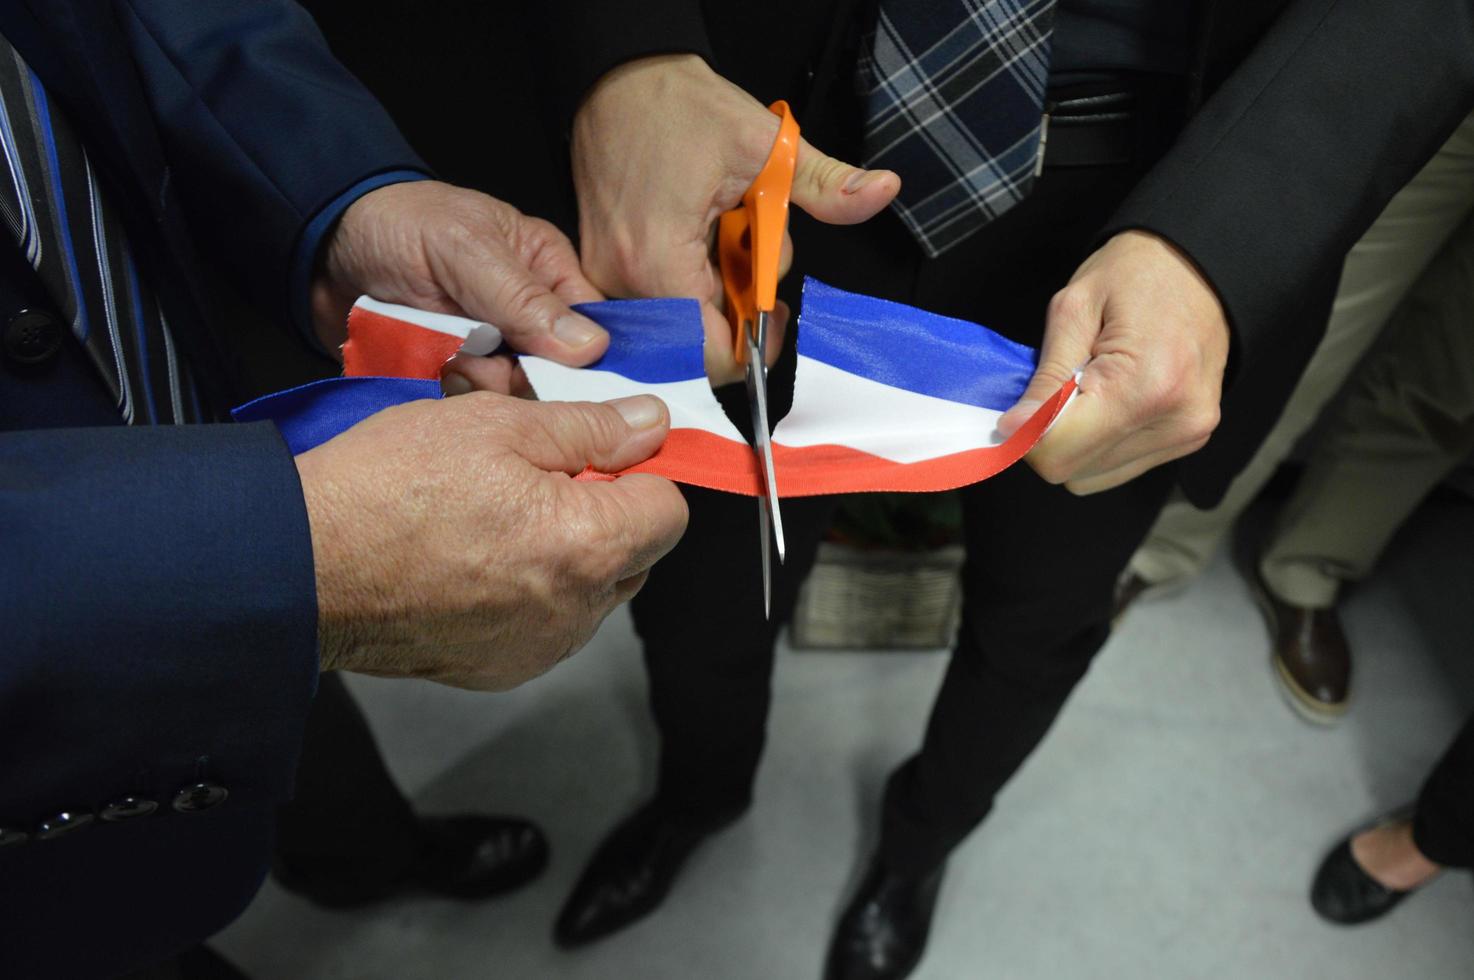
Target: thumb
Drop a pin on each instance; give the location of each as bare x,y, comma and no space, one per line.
494,286
1070,329
566,437
836,192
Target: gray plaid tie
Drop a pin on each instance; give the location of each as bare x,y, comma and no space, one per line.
954,95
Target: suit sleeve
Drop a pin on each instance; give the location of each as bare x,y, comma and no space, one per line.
587,38
158,600
263,129
1295,155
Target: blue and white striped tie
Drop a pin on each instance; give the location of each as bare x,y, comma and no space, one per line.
59,214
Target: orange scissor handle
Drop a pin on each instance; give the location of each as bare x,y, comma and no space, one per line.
750,237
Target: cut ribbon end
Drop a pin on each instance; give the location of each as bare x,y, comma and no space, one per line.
392,341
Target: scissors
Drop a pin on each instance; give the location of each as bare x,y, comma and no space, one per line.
750,249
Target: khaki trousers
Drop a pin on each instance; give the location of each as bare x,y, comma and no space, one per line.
1406,423
1379,271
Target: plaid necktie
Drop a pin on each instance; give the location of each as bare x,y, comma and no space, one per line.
953,98
73,237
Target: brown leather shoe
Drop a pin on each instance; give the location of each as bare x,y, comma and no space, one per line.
1311,659
1131,587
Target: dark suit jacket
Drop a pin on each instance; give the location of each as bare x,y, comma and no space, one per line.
157,602
1318,111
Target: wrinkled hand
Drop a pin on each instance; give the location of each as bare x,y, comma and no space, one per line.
451,543
1156,339
437,247
661,147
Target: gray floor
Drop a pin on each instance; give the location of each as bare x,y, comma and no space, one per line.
1166,828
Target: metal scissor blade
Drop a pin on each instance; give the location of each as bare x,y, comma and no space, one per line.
769,518
757,393
762,530
755,388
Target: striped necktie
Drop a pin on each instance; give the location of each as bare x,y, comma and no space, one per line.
72,235
953,99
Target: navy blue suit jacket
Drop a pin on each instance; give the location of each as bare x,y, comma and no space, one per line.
157,605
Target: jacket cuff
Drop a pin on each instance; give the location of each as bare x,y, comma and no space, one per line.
304,255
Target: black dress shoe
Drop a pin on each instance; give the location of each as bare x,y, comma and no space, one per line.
1345,894
631,873
468,857
882,934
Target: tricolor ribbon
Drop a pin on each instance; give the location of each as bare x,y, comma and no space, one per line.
887,397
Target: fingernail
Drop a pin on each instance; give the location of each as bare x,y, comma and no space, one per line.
576,331
640,411
454,384
859,179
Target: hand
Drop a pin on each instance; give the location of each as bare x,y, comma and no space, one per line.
1153,339
450,542
436,247
661,147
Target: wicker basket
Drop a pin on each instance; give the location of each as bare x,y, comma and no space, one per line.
874,599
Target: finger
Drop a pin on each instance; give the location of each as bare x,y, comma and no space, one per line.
1150,442
649,511
627,589
836,192
719,350
1109,479
569,436
777,328
1077,437
330,305
1071,325
491,284
550,258
1100,435
467,372
521,385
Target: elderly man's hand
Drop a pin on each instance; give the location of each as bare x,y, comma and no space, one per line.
451,542
661,147
1153,340
437,247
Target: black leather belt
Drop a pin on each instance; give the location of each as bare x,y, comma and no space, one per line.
1092,130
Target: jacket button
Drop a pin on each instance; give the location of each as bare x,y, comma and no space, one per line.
31,337
200,796
9,835
63,823
127,808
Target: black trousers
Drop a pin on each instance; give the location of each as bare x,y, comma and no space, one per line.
1443,824
349,818
1041,563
